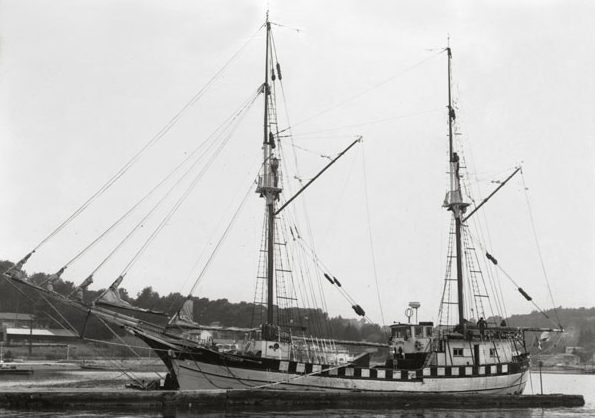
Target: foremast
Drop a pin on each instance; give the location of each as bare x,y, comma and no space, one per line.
269,184
454,198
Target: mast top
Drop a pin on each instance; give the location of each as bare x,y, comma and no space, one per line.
454,198
451,111
267,22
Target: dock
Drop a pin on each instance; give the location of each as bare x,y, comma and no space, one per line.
214,400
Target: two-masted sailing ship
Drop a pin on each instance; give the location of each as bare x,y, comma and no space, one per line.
457,355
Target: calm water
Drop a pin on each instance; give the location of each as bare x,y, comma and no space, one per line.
552,383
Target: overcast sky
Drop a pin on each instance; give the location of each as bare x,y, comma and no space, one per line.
85,84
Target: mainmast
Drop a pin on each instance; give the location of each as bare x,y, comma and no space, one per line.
454,199
269,181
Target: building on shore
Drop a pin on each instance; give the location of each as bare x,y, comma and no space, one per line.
23,328
37,336
15,320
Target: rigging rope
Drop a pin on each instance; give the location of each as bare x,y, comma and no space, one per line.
446,290
481,226
62,298
72,328
520,289
370,122
483,230
313,299
130,348
289,218
191,274
300,266
192,185
333,280
136,205
547,281
140,224
366,91
164,130
212,143
370,235
312,152
221,240
339,202
260,275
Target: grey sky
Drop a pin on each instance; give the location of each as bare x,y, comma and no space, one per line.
83,85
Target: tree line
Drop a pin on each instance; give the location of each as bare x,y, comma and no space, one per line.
578,323
20,299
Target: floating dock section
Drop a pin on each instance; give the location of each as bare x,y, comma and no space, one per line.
213,400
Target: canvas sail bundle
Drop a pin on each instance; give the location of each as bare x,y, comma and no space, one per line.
111,298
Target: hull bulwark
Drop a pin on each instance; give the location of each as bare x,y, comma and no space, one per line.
193,374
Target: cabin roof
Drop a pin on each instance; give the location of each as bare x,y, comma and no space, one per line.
401,325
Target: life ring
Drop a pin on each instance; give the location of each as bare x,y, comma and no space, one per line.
418,345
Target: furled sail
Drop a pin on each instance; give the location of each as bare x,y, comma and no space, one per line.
111,297
16,271
454,196
184,318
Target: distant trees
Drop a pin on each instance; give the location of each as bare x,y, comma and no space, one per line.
15,298
579,324
579,330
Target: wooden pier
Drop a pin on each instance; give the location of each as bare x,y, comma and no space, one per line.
213,400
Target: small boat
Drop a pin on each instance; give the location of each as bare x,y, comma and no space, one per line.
12,369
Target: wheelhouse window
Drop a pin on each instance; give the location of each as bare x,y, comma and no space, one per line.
401,332
457,352
493,352
419,332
